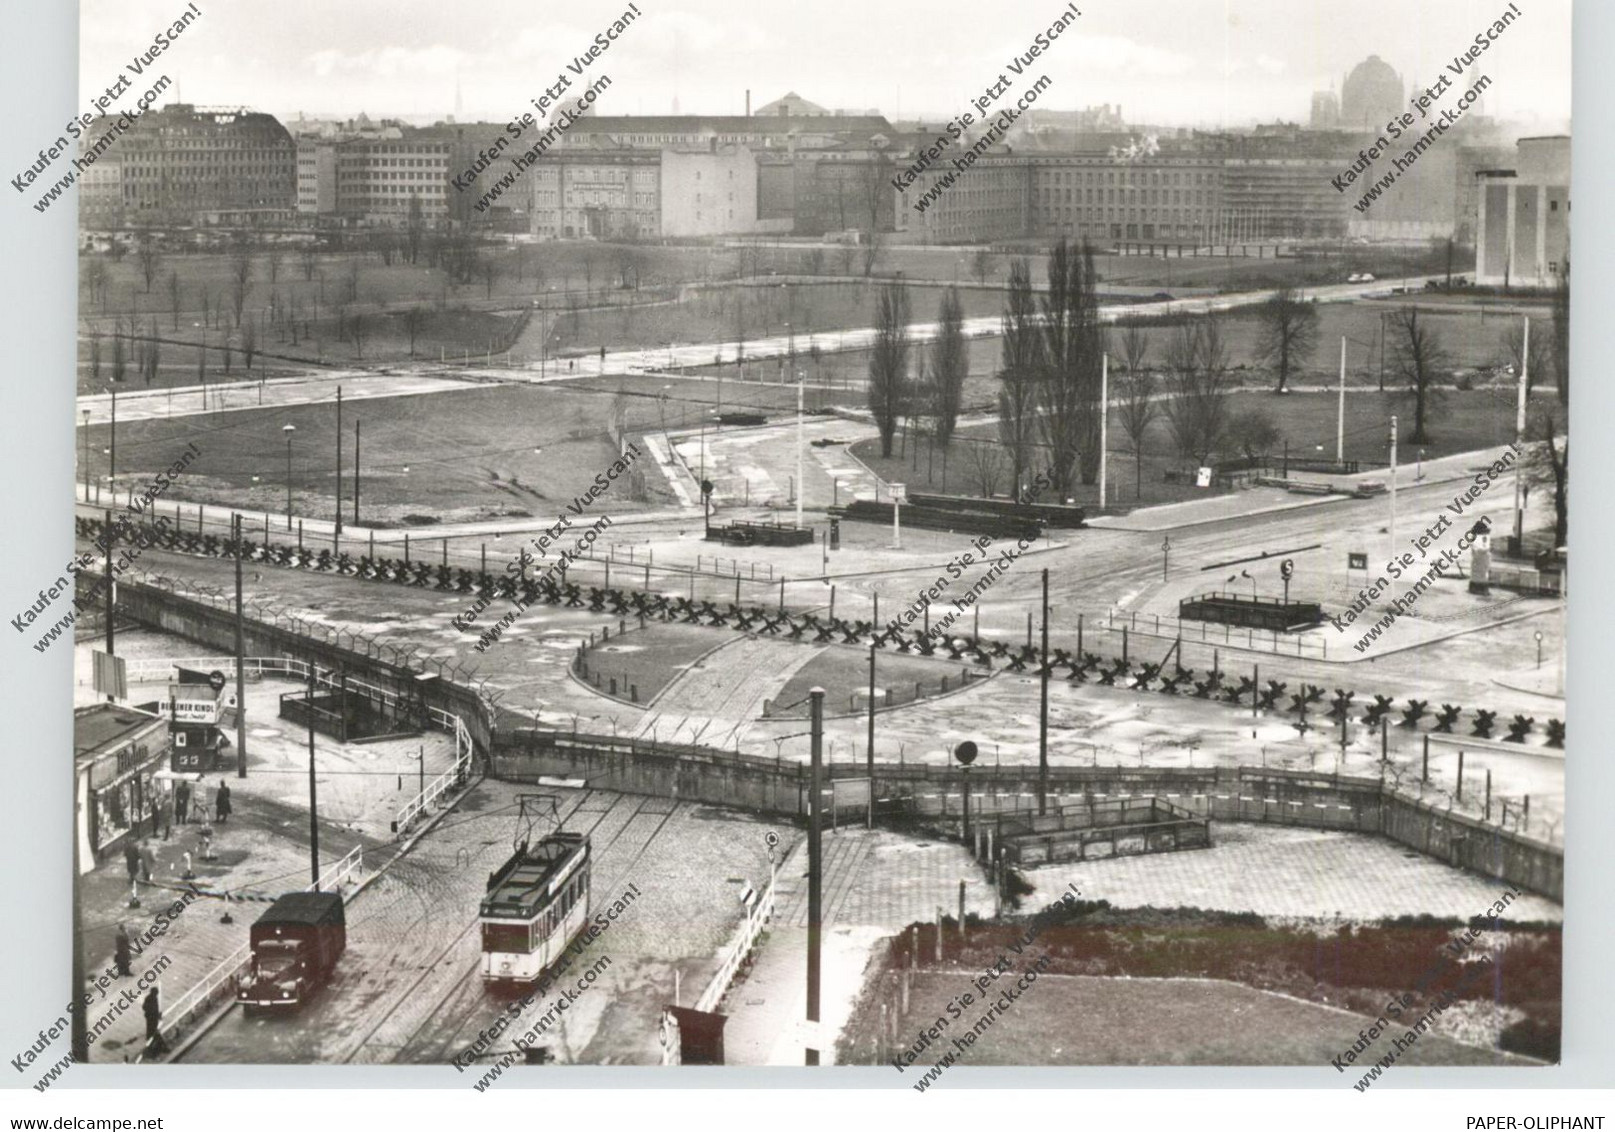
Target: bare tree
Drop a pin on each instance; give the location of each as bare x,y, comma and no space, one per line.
1135,348
153,354
1547,461
240,281
173,296
358,331
950,365
888,363
876,191
489,270
1511,352
1023,347
1136,410
306,259
414,228
272,259
981,265
96,276
1068,388
225,350
1561,336
249,342
120,358
414,319
1419,360
1253,433
350,280
95,358
985,459
1196,405
1287,333
150,261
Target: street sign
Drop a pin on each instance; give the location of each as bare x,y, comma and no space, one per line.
1202,477
706,487
215,680
965,752
1287,568
110,675
899,493
1356,560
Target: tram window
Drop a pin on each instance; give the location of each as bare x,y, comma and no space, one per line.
506,937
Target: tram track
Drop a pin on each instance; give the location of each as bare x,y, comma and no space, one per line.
457,1017
463,1006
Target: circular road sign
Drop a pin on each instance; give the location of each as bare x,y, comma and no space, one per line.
1286,568
215,680
965,752
706,487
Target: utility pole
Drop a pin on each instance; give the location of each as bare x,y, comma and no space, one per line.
241,679
112,450
1519,440
112,534
1393,484
801,432
1104,422
1340,412
337,536
313,791
816,727
1043,708
356,425
869,759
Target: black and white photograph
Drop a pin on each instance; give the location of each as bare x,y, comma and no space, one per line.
912,538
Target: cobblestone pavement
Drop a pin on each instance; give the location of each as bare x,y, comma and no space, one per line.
408,988
1281,872
729,686
875,883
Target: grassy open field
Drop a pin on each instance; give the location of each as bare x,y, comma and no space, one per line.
843,672
1460,421
1076,1020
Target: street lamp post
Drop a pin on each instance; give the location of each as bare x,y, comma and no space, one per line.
86,447
287,432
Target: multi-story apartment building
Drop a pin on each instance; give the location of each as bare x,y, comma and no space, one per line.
1165,197
183,165
371,179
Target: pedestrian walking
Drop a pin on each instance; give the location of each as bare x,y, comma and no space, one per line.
206,839
131,858
221,803
120,951
153,1009
182,801
148,861
166,804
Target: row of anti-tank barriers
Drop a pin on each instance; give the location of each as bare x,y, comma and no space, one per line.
1074,665
709,775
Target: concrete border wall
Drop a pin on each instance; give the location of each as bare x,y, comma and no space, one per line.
724,778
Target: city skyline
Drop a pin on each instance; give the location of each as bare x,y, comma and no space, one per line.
1237,67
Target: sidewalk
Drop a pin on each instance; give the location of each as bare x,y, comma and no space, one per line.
875,883
261,851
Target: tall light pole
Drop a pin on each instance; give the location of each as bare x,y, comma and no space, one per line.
801,433
1519,439
815,912
241,687
1340,411
287,431
313,795
1104,421
1393,485
337,536
86,447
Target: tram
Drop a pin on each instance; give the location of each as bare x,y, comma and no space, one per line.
536,903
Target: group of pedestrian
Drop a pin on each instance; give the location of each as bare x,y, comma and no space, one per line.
152,1005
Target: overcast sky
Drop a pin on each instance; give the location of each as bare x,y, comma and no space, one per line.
1173,62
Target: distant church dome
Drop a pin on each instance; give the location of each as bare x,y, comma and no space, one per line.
1370,94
